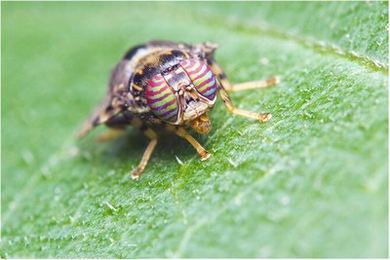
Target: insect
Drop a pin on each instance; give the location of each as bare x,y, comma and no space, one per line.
167,85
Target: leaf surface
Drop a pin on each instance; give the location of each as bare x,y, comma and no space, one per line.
312,182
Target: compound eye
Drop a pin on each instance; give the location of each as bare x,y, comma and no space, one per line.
201,76
161,99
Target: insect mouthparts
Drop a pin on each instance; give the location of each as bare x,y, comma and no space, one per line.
201,124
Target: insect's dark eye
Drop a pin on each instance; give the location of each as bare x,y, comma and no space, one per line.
201,76
161,99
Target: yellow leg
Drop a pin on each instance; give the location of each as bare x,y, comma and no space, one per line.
262,117
225,86
255,84
136,173
217,70
180,131
110,134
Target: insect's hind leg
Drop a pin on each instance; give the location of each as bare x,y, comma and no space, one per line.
224,86
151,134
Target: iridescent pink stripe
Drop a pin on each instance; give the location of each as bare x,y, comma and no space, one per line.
205,82
194,69
158,108
191,65
154,100
152,92
201,75
165,114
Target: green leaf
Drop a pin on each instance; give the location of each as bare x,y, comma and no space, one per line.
312,182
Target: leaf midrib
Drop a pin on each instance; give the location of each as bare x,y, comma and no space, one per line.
271,31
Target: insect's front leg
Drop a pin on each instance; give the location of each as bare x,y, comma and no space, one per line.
225,85
180,131
152,136
262,117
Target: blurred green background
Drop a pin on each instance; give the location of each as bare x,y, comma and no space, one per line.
310,183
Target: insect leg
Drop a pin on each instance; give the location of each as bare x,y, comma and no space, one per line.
262,117
225,85
149,133
92,122
272,81
102,114
180,131
244,85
